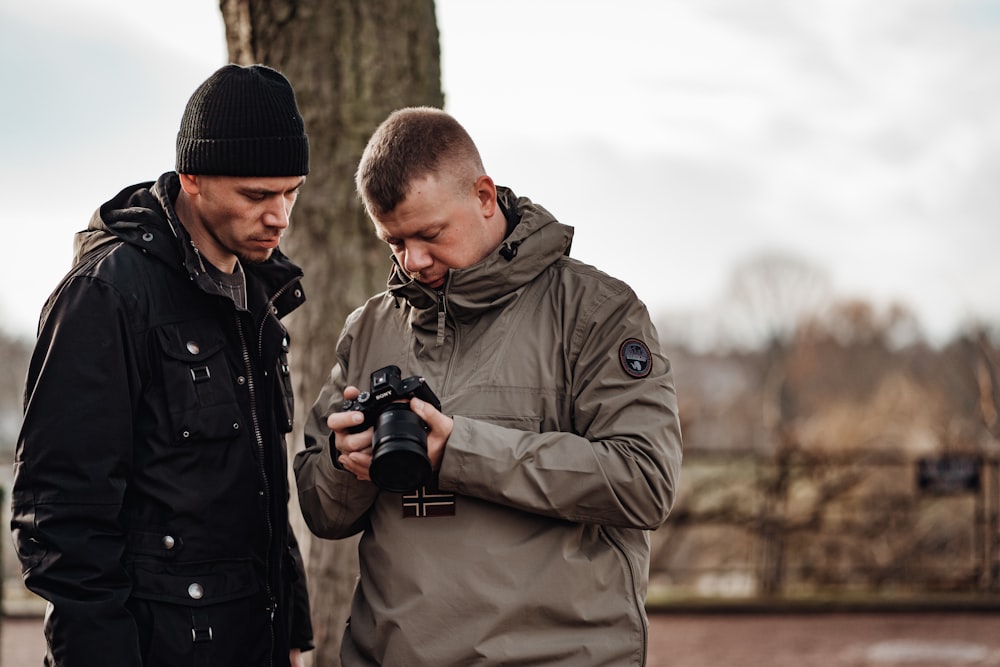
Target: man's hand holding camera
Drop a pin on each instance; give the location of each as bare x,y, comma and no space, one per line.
353,450
393,435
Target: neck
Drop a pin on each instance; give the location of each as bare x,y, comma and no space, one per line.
202,241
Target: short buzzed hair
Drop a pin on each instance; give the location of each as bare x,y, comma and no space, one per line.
410,144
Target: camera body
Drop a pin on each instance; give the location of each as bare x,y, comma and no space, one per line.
399,444
386,389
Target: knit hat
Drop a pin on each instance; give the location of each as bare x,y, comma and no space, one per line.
243,121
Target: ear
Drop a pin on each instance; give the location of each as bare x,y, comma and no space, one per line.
486,191
190,183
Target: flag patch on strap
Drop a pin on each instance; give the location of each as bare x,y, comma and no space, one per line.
427,502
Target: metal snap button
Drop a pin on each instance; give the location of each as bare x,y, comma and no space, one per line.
168,542
193,347
195,591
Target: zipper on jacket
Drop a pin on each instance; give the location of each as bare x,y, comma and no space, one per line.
442,326
269,306
442,317
639,604
255,419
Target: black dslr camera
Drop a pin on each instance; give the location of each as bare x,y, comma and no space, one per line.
399,446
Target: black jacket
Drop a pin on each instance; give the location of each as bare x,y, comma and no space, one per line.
149,504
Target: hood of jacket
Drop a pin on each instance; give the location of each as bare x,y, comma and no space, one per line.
143,216
536,241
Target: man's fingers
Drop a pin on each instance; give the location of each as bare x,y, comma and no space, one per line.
341,421
424,410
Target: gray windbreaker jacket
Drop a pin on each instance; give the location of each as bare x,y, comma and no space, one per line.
566,450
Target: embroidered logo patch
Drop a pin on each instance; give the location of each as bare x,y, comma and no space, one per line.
636,358
427,501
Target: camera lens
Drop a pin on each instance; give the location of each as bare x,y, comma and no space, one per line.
399,450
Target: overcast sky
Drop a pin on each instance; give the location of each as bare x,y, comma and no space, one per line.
678,138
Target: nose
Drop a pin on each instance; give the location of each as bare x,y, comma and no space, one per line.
277,213
416,258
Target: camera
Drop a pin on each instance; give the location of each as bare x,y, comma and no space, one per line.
399,445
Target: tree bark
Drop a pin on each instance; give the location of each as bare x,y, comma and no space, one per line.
351,63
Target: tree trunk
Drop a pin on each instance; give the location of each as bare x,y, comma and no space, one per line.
351,63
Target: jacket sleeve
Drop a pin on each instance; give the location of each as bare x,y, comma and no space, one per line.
72,461
334,502
616,464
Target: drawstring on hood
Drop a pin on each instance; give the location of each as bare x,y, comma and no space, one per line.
509,250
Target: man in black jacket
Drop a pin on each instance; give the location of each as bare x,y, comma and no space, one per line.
150,497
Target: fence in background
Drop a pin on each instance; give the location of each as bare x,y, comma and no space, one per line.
797,526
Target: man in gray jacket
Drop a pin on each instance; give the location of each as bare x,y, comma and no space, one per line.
556,448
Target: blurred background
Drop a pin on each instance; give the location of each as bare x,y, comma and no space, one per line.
681,139
803,194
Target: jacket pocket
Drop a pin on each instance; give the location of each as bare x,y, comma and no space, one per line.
199,613
195,584
198,382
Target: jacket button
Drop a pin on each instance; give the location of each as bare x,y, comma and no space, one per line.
168,542
241,380
192,347
195,591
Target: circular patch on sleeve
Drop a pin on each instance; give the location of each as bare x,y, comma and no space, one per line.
636,358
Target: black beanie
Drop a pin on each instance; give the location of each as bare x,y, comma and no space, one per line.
243,121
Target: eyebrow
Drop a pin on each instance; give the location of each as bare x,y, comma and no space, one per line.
268,192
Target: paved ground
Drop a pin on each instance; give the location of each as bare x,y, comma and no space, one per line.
21,643
825,640
747,640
